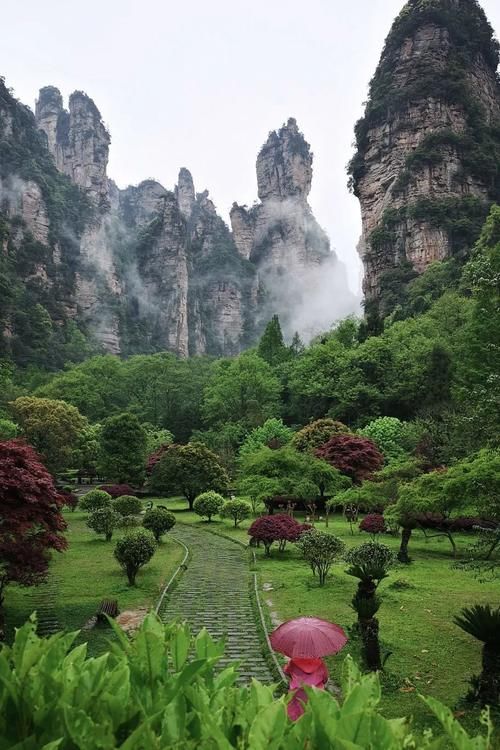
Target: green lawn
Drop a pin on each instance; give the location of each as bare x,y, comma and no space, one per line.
429,654
86,573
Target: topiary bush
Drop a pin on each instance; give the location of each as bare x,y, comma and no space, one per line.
208,504
320,549
370,564
127,505
104,521
373,524
158,521
280,528
94,500
118,490
238,510
134,551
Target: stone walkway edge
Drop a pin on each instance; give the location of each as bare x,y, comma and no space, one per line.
208,601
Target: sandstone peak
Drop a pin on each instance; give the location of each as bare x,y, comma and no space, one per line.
284,164
433,108
184,192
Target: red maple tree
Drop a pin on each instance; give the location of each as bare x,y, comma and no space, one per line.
31,523
280,528
353,455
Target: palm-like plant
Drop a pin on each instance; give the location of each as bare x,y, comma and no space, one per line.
369,563
483,623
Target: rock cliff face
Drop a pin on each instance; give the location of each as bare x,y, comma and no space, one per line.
428,147
77,139
280,235
79,144
145,269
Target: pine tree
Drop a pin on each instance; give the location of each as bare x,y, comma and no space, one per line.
271,346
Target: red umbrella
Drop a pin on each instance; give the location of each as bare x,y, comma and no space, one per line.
308,637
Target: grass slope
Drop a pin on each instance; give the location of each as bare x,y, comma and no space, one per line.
86,573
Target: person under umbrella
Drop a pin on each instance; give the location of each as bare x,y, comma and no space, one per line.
305,640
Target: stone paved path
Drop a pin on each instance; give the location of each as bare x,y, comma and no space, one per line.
214,592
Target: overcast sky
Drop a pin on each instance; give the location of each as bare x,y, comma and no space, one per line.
200,84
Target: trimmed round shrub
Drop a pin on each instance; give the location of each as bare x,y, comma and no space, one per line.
280,528
238,510
320,550
373,524
118,490
94,500
134,551
208,504
158,521
370,560
104,521
129,522
127,505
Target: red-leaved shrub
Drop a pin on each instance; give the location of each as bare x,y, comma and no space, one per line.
117,490
69,499
31,519
373,524
280,528
355,456
155,457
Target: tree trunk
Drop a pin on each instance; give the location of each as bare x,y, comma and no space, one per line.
371,644
131,574
489,679
403,549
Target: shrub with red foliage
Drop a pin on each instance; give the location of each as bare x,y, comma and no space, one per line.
280,528
439,522
355,456
155,457
373,523
31,520
69,499
117,490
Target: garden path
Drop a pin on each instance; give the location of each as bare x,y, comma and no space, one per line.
215,592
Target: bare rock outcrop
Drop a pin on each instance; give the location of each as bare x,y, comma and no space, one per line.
280,235
428,146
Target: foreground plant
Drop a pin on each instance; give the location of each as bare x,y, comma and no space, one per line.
483,623
369,563
162,690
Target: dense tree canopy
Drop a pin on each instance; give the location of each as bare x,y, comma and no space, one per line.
243,390
123,444
190,470
53,427
355,456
